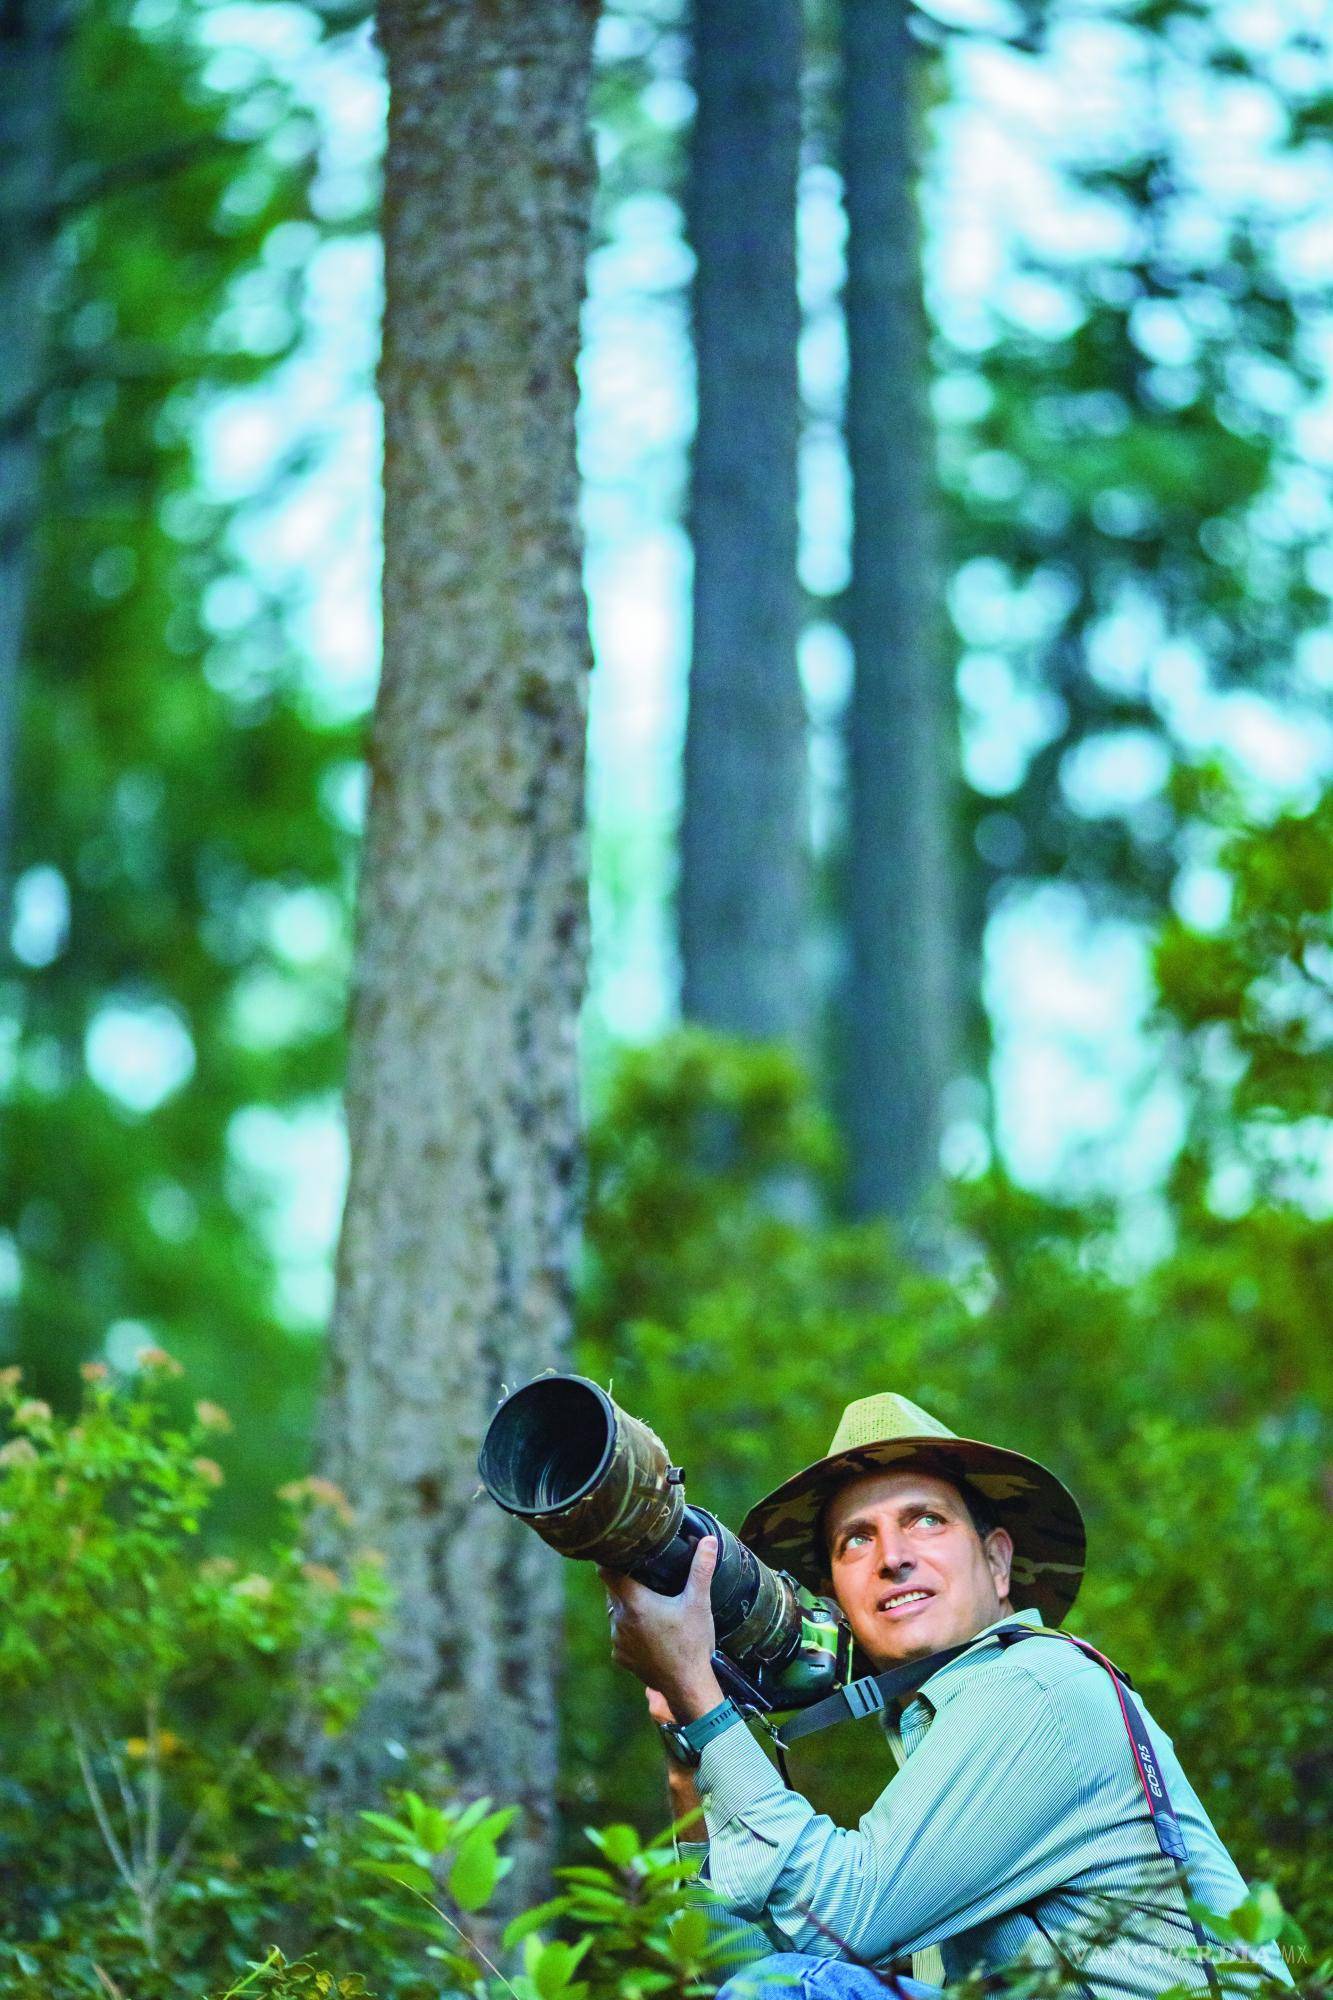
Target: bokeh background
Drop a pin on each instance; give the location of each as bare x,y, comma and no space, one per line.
1126,247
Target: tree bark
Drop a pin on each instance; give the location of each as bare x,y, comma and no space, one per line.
901,995
455,1262
30,39
743,918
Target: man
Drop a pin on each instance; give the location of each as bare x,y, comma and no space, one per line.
1017,1825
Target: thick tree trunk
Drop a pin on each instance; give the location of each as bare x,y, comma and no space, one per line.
901,1000
454,1272
743,917
29,127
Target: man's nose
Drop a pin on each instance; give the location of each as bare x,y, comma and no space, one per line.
895,1558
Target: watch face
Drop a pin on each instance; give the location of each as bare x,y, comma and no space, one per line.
678,1744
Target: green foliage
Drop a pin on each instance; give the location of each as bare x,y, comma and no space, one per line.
1121,460
180,793
153,1819
639,138
440,1866
637,1922
275,1978
1260,1919
461,1840
105,1600
1182,1402
1121,417
1210,1584
1255,1000
153,1684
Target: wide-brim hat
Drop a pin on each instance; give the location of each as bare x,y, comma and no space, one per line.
888,1433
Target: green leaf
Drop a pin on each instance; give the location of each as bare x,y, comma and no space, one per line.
408,1918
1260,1919
475,1872
396,1829
620,1844
688,1934
550,1967
599,1906
531,1920
471,1816
405,1873
1212,1920
497,1822
431,1828
672,1869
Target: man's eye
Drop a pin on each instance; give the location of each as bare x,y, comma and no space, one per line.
938,1519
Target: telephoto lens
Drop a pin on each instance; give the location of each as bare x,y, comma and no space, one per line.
599,1486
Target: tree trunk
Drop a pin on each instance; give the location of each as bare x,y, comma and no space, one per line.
30,36
455,1264
901,998
743,869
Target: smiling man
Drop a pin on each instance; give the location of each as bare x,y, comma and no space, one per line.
1019,1821
952,1559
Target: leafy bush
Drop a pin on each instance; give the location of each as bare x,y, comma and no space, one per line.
637,1922
154,1825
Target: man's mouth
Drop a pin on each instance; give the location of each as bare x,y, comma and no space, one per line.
902,1600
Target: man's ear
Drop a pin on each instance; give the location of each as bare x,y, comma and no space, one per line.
999,1551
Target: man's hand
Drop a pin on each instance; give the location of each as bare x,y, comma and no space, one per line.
667,1642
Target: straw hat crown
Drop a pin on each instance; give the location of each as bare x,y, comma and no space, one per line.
872,1419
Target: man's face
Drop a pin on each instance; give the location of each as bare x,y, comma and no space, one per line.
909,1569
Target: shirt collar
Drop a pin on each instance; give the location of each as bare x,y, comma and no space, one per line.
946,1681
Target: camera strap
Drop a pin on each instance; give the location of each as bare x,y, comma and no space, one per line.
874,1692
1165,1822
866,1696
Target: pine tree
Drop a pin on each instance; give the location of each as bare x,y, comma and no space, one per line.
899,1038
455,1264
743,895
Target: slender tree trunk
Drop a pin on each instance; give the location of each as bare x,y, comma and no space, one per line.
30,34
901,998
743,869
454,1271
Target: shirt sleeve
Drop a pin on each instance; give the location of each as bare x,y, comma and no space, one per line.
983,1816
740,1943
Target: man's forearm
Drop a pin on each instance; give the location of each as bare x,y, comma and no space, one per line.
683,1794
692,1697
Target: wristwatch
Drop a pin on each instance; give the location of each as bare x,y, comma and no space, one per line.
684,1741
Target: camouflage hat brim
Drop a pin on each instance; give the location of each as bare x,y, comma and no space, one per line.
1041,1514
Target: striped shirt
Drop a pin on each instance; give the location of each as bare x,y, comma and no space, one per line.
1016,1828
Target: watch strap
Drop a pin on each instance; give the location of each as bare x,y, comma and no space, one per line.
705,1727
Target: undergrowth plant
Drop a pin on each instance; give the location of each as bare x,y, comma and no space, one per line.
156,1696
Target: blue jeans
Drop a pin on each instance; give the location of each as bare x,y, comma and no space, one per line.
794,1975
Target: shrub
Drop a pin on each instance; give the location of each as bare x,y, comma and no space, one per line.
154,1825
